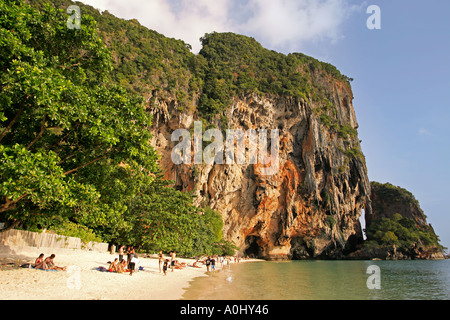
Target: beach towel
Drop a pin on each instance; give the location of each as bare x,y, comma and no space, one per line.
30,266
101,269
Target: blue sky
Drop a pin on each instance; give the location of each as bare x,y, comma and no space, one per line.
401,72
402,98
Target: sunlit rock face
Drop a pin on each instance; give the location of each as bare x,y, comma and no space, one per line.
309,207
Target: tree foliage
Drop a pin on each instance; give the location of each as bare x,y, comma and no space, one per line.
62,122
163,218
402,232
237,65
75,153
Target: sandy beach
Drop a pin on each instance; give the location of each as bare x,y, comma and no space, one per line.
82,282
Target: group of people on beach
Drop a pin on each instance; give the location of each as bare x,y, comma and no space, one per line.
209,262
47,263
173,263
120,265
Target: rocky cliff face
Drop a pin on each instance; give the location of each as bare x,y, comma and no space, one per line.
394,203
388,200
310,207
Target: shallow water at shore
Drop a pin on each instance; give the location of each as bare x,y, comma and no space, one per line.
325,280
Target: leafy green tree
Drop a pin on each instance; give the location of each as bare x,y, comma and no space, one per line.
64,128
161,218
209,233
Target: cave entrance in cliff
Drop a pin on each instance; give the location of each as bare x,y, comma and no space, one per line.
253,250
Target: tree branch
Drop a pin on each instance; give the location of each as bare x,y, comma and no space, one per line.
66,158
12,226
40,132
16,117
71,66
84,165
7,205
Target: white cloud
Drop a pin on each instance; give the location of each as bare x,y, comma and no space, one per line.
182,19
279,24
424,132
288,22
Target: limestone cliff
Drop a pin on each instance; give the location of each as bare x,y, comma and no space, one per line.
397,227
388,200
311,207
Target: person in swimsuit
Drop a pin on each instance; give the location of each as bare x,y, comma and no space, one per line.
121,251
195,264
172,262
131,263
51,264
113,267
129,255
161,260
122,267
39,263
208,263
166,263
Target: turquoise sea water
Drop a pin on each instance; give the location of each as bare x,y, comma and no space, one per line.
325,280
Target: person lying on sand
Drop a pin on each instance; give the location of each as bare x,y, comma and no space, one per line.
195,264
39,263
51,265
178,265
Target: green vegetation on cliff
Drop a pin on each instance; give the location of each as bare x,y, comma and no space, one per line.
387,192
143,59
228,65
235,65
397,220
401,232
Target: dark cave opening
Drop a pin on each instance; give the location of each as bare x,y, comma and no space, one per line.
253,250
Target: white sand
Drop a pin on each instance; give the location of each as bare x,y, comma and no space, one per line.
87,283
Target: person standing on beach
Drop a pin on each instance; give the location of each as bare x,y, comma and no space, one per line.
166,263
161,260
121,251
129,255
213,264
132,259
173,254
208,263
